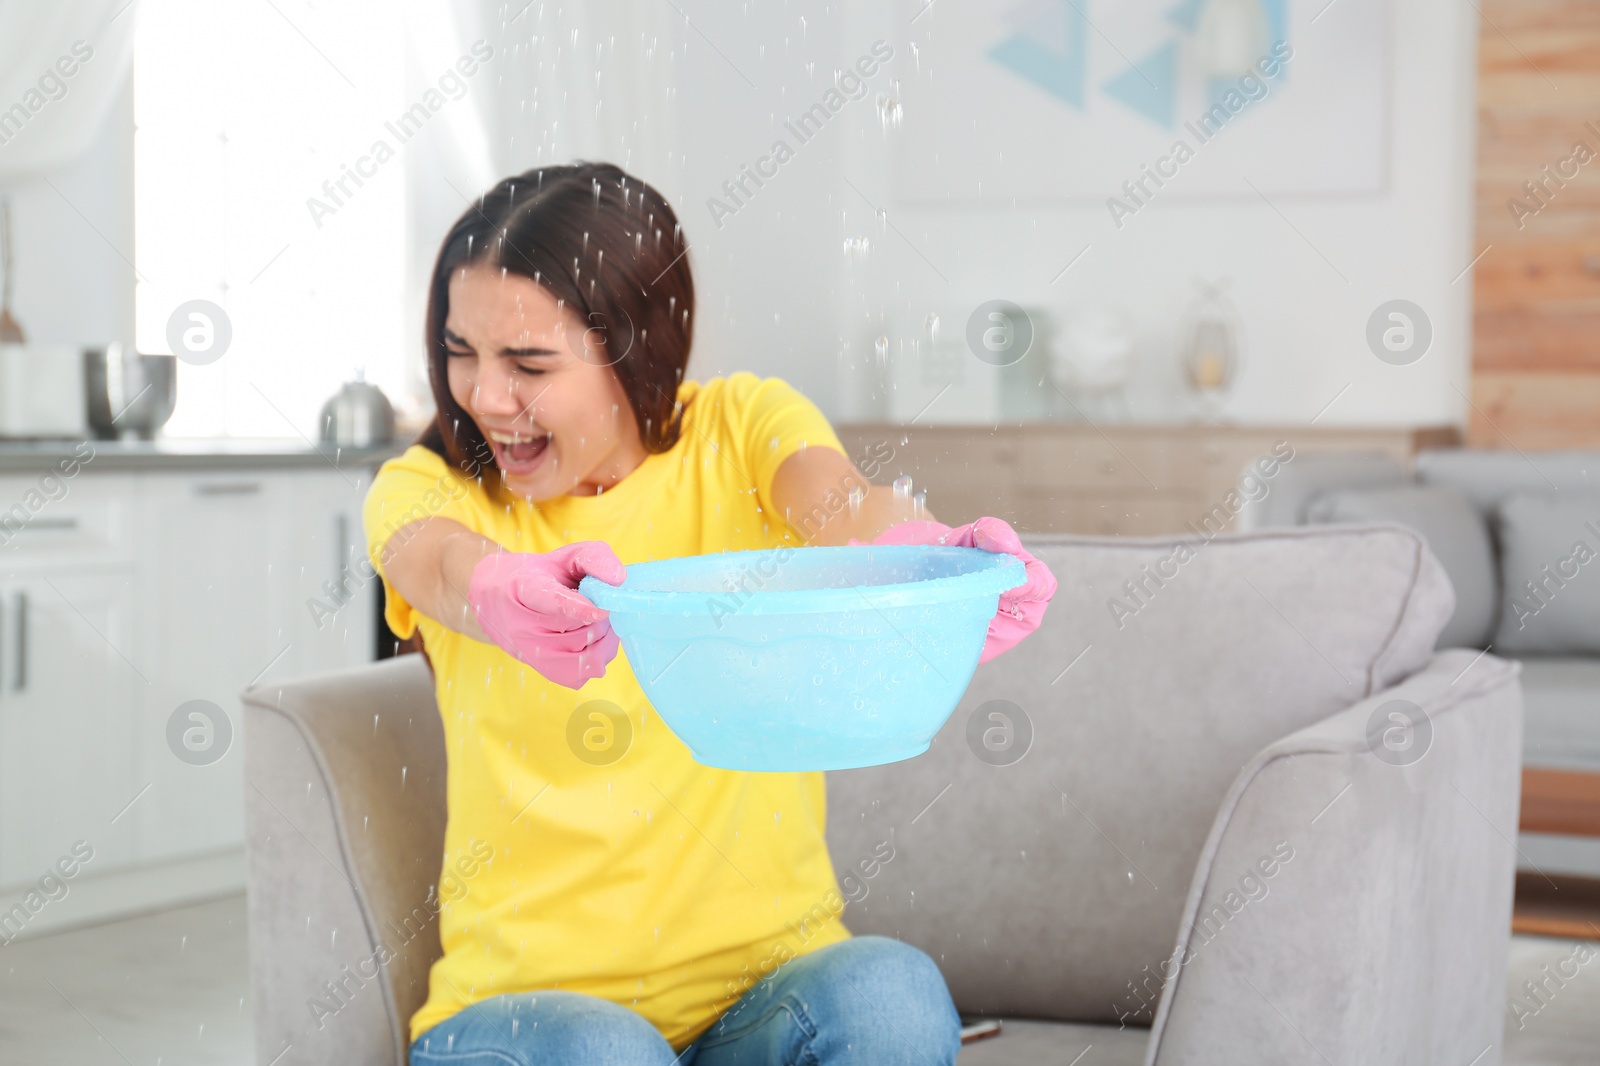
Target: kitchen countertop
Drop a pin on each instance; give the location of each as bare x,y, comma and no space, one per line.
22,456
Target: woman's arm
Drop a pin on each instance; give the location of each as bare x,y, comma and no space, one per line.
430,564
527,603
807,489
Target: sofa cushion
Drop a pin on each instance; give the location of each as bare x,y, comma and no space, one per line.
1485,476
1306,477
1043,885
1550,571
1561,716
1029,1043
1454,530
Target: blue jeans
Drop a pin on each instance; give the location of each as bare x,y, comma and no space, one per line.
866,1001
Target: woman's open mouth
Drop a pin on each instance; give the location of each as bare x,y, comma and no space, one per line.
515,456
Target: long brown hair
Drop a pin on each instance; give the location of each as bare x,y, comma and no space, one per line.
607,244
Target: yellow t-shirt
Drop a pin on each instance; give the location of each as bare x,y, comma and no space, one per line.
653,882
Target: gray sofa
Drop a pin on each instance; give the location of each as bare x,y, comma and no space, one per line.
1192,835
1497,520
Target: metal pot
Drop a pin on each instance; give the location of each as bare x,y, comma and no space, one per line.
359,415
130,396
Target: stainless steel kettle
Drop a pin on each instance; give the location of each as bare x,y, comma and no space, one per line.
359,415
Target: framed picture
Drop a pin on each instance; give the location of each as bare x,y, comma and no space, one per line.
1077,100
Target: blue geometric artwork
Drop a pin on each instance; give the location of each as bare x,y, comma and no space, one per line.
1150,86
1050,47
1186,14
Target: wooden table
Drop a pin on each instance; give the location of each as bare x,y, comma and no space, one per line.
1565,802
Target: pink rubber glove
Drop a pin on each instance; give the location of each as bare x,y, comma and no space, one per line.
529,604
1021,609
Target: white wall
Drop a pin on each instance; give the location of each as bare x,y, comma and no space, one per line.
784,296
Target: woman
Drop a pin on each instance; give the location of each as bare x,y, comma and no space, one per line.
629,896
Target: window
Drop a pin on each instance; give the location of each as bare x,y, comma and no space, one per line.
255,123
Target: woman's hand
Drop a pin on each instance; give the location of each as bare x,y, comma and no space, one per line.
1022,608
529,605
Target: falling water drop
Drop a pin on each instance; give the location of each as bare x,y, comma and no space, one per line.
856,496
880,348
919,506
902,493
889,110
932,326
403,770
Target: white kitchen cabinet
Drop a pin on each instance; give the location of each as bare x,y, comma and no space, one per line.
205,561
68,690
232,561
328,608
134,592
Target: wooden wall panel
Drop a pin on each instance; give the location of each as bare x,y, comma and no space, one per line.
1536,323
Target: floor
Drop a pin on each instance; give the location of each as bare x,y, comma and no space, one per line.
170,989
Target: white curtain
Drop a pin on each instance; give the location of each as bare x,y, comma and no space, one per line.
592,80
48,117
570,79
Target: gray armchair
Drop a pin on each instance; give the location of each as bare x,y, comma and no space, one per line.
1179,823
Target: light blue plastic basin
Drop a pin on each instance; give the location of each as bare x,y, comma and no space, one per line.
807,658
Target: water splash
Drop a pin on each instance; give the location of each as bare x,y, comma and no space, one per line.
889,110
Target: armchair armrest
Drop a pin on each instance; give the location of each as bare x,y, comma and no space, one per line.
344,820
1352,909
